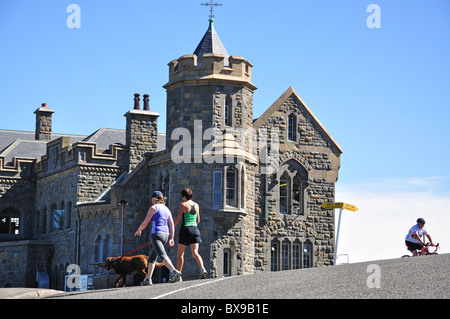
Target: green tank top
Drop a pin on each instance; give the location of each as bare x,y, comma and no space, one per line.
190,217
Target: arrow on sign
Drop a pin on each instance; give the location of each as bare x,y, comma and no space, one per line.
339,205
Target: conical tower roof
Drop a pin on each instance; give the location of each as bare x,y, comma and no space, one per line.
210,43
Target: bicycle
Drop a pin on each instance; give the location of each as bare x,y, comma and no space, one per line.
426,250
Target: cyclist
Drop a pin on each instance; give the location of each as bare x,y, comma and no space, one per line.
413,239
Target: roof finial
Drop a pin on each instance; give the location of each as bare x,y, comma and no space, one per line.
212,5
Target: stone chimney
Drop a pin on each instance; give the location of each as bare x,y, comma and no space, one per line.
141,131
43,130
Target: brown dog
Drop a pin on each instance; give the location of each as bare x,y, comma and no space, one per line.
128,265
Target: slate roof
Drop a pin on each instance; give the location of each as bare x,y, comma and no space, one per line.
23,144
211,43
104,137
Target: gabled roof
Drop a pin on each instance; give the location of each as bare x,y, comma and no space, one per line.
211,43
279,102
105,137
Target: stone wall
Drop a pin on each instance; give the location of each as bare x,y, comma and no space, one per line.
314,158
18,262
18,195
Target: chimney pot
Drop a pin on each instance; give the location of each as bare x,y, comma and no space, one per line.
137,100
146,102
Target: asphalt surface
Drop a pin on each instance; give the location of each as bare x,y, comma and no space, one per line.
419,277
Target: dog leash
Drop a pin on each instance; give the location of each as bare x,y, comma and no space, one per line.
136,249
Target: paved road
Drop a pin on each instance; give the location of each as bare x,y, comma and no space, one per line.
421,277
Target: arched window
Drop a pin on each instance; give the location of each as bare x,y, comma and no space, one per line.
228,111
292,127
307,255
290,253
284,191
285,254
227,262
106,250
61,277
9,221
296,254
274,251
54,280
43,221
68,214
97,249
297,195
293,178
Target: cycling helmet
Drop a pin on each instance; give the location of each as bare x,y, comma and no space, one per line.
421,221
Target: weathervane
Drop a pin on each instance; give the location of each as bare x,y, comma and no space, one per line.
212,7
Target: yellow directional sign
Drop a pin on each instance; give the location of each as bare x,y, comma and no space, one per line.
332,205
339,205
350,207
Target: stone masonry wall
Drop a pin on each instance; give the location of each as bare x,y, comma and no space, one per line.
313,151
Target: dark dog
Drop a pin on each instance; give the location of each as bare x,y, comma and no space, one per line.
128,265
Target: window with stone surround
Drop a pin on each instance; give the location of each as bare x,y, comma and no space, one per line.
217,188
307,254
228,111
227,262
292,127
97,249
229,187
231,180
292,182
274,251
290,253
296,253
9,221
284,190
57,217
285,255
68,215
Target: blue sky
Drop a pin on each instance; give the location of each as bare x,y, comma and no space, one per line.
382,93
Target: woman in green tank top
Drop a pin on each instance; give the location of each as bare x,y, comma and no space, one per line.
189,216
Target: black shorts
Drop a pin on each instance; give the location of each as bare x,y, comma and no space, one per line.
413,246
189,235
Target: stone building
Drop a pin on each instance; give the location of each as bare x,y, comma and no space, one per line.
69,199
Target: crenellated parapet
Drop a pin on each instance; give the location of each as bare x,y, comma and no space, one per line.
61,155
186,70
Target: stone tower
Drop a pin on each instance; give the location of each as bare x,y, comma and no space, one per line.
208,88
209,106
